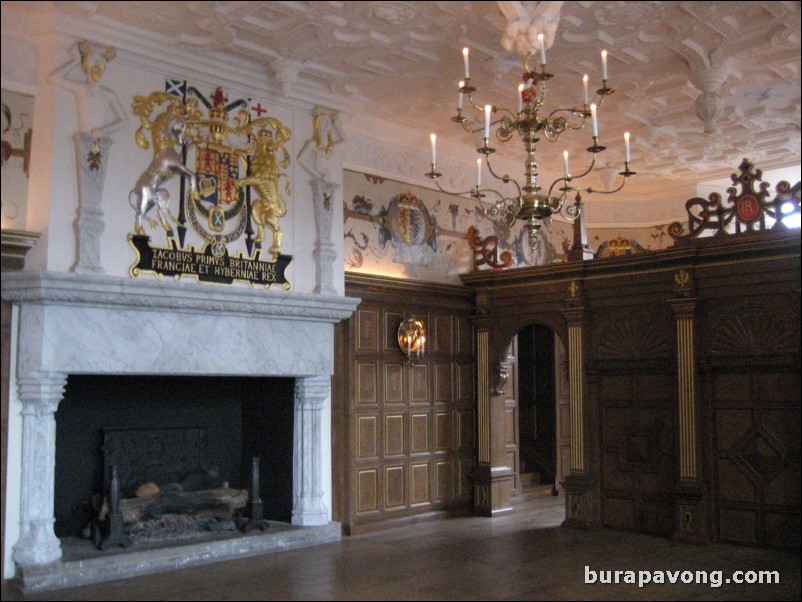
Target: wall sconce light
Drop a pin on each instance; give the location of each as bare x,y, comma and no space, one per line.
412,340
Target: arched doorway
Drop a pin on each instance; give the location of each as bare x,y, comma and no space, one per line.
538,422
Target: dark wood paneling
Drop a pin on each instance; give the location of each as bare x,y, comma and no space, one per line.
406,438
745,306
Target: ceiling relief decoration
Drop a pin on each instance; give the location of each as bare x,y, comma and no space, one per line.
706,83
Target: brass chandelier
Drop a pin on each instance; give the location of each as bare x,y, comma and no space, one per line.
531,123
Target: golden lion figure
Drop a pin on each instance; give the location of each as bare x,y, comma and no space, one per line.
264,178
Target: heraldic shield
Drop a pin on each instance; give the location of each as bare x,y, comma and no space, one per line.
233,191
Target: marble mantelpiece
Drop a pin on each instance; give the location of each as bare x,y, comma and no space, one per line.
69,323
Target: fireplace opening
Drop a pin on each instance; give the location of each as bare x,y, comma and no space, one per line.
205,430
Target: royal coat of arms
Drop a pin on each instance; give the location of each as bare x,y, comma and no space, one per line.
234,191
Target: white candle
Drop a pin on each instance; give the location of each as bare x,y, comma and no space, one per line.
434,148
488,110
465,60
604,64
479,172
542,48
459,102
520,97
595,121
565,162
585,88
626,146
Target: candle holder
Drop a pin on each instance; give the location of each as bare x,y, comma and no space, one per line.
532,123
412,340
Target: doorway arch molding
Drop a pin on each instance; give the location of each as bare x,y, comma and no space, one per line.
501,312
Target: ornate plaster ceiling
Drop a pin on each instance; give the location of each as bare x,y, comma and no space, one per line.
678,68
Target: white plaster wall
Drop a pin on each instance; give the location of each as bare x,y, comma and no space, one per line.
53,197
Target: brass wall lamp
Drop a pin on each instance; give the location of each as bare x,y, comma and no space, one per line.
412,340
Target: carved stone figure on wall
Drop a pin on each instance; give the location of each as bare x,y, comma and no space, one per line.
316,157
99,114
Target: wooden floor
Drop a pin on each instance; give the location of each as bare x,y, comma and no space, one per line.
521,556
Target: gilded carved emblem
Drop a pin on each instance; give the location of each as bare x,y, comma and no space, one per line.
235,157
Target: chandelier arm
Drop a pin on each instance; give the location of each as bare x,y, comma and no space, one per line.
481,109
588,170
505,178
565,189
590,190
475,190
453,192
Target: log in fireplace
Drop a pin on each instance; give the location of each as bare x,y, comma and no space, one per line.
171,438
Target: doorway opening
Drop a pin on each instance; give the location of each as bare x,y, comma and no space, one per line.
542,402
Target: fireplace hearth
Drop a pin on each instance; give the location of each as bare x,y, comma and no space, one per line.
70,327
170,437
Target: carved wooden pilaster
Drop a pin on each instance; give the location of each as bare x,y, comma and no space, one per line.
40,394
686,373
310,399
581,507
689,501
574,315
492,479
483,397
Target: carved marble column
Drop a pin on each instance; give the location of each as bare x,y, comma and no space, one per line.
89,224
40,394
325,252
310,397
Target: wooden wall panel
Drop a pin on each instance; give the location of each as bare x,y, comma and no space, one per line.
419,484
443,334
367,490
443,383
394,434
419,385
717,452
367,338
407,445
393,383
444,480
367,430
394,487
757,464
465,430
444,431
419,437
366,383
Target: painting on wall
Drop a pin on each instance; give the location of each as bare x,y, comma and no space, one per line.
411,232
405,231
17,118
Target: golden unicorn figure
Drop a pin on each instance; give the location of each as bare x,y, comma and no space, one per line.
264,176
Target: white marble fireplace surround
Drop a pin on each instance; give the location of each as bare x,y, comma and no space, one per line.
68,323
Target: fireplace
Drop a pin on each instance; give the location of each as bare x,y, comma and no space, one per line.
79,331
171,434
